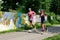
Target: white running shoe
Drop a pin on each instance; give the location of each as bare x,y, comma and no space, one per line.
29,31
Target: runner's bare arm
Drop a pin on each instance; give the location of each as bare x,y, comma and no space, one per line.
34,13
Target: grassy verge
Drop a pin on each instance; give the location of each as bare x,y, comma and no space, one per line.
8,31
55,24
47,24
56,37
37,25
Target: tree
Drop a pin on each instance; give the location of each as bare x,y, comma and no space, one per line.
55,6
26,4
9,4
0,4
58,7
47,5
23,5
34,4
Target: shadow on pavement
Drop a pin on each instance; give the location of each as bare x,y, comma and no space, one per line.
53,29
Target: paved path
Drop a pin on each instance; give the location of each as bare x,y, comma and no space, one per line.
30,36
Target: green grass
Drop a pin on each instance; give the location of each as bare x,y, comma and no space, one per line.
3,32
8,31
37,25
56,37
47,24
56,24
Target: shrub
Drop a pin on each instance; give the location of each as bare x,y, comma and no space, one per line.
56,37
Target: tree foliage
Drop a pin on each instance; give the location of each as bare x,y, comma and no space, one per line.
23,5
